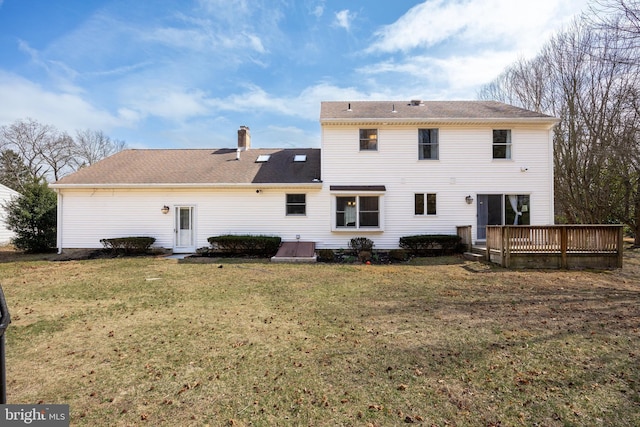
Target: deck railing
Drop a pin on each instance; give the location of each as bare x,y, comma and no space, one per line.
464,231
568,242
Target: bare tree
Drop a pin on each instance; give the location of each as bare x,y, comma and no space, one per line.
50,154
619,22
28,138
524,84
92,146
619,17
588,77
57,154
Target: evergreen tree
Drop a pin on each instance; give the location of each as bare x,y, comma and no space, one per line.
32,217
13,172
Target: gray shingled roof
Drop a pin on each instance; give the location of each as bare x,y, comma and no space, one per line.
426,110
199,166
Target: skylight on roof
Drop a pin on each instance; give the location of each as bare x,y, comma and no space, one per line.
300,158
263,158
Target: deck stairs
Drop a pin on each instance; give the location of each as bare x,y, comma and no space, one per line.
477,253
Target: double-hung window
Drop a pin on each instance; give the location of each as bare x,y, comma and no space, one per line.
501,143
357,212
368,139
425,204
296,204
428,144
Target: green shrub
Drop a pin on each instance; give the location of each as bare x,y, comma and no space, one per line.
129,245
398,254
326,255
248,245
359,244
32,217
431,244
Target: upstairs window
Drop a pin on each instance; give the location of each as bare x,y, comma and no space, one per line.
296,204
501,143
428,144
425,204
368,139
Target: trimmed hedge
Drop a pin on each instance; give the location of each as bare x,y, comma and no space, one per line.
129,245
248,245
432,244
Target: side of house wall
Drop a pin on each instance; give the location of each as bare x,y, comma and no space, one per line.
6,194
86,216
465,168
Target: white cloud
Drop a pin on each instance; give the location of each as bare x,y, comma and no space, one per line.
444,77
226,9
448,49
170,103
22,98
304,105
203,39
318,11
524,25
344,19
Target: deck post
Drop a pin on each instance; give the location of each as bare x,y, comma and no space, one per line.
488,244
564,244
506,237
620,245
464,231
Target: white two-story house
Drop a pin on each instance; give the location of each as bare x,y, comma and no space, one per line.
402,168
384,170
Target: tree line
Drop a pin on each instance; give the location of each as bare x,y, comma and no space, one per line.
33,151
31,155
587,76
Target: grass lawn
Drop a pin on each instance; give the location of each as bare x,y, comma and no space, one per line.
151,341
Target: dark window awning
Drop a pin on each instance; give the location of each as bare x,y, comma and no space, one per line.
357,188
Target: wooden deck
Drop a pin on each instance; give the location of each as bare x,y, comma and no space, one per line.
296,252
555,246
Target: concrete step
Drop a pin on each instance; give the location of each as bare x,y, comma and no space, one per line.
472,256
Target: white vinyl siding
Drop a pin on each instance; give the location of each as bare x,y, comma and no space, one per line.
6,194
91,215
465,168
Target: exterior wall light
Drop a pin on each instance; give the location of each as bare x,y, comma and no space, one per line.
468,199
165,209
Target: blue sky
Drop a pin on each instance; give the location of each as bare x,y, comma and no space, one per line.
188,73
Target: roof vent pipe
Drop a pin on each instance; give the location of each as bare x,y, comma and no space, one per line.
238,154
349,107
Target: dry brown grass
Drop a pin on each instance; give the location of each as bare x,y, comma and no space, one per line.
150,341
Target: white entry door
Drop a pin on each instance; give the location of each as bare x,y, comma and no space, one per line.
185,236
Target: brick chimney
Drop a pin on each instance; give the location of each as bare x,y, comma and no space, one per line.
244,138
